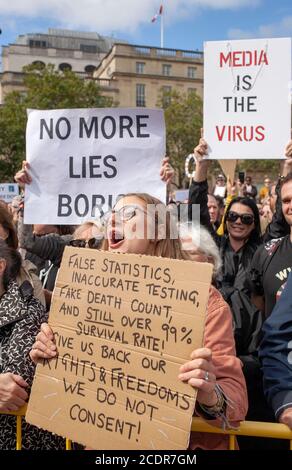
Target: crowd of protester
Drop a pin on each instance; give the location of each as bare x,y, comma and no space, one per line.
244,369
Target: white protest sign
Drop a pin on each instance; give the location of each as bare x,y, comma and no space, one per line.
247,105
8,191
82,159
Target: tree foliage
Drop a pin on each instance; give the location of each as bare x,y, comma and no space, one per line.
183,119
46,88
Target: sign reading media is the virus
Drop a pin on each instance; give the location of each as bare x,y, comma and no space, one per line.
247,106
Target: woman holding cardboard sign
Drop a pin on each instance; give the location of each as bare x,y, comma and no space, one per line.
20,318
214,369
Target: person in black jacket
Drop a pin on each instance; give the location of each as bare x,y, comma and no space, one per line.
276,356
21,316
237,245
272,261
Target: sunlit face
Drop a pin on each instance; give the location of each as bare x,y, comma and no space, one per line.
238,230
194,253
129,236
3,233
267,182
220,182
213,209
286,196
89,232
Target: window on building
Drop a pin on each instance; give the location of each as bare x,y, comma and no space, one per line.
39,64
192,90
64,66
166,69
35,43
166,95
140,95
192,72
90,48
140,66
90,69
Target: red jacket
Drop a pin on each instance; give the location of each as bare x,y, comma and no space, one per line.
219,338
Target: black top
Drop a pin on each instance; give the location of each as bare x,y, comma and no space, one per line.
270,269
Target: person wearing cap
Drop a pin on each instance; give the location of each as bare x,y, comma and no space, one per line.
220,188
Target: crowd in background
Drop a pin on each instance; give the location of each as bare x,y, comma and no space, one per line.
243,371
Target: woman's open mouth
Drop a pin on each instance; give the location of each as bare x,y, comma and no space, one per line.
116,238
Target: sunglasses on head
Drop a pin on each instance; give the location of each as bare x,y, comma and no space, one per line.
91,243
246,219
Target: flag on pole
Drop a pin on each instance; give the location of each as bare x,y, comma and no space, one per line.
160,11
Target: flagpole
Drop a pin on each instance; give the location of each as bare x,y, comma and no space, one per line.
161,30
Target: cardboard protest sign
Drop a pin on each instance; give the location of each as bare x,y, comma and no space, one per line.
8,191
123,325
228,168
82,159
247,104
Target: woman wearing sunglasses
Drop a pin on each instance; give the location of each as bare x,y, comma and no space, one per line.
214,369
241,237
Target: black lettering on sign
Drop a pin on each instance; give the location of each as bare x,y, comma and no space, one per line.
70,293
62,128
87,348
108,423
103,396
81,262
140,407
154,364
145,341
77,388
63,341
69,309
64,205
138,323
116,355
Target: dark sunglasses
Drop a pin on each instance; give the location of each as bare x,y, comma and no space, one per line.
91,243
246,219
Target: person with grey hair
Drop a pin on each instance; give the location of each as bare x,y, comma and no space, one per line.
200,245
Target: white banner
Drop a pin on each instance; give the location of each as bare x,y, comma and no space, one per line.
247,102
8,191
82,159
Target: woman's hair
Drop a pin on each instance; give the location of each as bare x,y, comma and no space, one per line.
255,235
66,229
85,226
7,223
168,246
286,179
203,241
13,262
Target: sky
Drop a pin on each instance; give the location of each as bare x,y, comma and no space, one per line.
187,23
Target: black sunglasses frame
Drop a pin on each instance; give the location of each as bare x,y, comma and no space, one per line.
93,243
244,218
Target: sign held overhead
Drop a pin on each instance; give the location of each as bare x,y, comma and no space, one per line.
247,106
81,160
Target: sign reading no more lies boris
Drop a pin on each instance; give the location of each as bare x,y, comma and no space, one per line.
83,159
247,102
123,325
